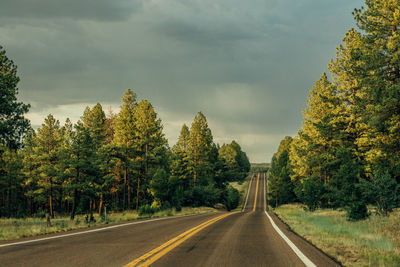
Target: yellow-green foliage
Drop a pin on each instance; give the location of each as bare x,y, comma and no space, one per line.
372,242
17,228
242,188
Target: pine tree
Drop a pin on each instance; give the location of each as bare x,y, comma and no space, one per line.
280,185
199,149
81,168
180,164
95,121
13,124
151,145
313,150
380,78
125,139
49,141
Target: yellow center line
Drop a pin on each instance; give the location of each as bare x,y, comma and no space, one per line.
255,198
155,254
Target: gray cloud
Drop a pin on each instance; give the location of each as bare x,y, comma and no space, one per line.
247,65
75,9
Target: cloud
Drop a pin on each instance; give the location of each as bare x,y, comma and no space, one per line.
248,65
100,10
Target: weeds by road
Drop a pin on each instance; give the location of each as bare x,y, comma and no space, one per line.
372,242
16,228
242,188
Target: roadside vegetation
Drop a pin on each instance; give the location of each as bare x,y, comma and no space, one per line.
346,155
241,187
345,158
371,242
115,162
12,228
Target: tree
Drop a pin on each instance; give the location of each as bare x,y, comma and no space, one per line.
235,161
312,152
180,162
280,186
199,149
125,138
13,124
49,141
81,168
95,121
151,145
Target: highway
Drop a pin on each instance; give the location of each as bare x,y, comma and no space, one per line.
251,237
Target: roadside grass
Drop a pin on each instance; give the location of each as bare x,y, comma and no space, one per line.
17,228
242,188
372,242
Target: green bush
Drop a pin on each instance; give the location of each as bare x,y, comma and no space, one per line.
357,211
147,210
312,193
232,198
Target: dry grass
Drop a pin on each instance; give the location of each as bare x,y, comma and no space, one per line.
17,228
372,242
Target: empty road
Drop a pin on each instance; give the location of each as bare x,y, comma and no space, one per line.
246,238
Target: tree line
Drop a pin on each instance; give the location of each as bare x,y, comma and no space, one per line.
347,153
119,161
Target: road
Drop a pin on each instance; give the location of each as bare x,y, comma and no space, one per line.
244,238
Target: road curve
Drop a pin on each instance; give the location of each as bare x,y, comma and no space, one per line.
242,239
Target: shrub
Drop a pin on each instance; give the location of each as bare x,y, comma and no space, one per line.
147,210
232,198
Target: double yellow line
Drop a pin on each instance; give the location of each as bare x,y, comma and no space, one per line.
255,198
155,254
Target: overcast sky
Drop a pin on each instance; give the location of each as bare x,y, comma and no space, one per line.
247,65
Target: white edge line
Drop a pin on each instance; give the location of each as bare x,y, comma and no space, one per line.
265,194
94,230
248,192
300,254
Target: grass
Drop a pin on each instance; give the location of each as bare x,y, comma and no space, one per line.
242,188
372,242
17,228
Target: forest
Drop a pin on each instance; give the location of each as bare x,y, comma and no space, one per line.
116,161
347,153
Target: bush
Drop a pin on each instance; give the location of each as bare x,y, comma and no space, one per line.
312,193
357,211
232,198
383,191
147,210
178,207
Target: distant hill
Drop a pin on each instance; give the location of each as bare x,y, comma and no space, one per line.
260,167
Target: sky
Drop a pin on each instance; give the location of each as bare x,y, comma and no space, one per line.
247,65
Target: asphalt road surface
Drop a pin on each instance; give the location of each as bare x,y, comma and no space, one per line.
246,238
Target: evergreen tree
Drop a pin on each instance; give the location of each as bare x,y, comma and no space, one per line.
81,168
125,139
280,185
49,141
199,150
151,146
180,164
13,124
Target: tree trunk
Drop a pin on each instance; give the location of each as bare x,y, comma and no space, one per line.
51,199
74,204
101,204
125,178
129,197
137,194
